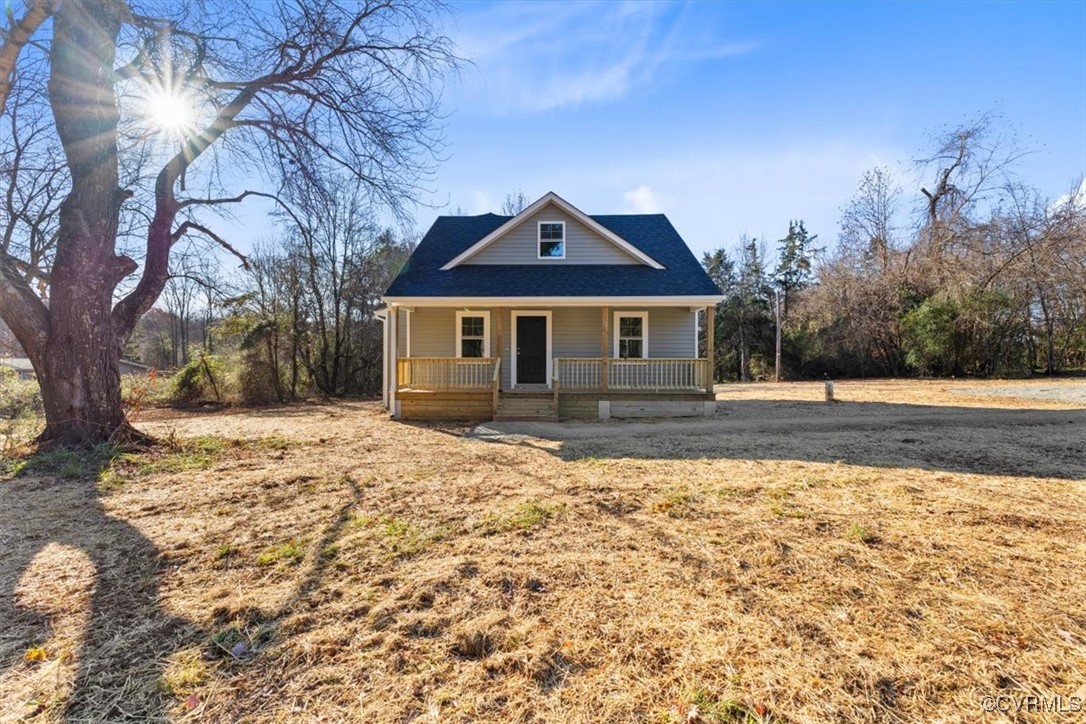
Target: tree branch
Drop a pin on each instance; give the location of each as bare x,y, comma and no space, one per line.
188,226
185,203
15,38
24,313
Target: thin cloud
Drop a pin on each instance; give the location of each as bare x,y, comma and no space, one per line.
573,55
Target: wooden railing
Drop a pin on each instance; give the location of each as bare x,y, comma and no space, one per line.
438,374
579,373
659,374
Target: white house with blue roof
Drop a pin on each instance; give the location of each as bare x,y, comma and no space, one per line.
549,314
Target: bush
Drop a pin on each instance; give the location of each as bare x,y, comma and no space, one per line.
200,380
257,383
979,333
18,398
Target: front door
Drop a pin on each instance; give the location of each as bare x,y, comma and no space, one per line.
531,350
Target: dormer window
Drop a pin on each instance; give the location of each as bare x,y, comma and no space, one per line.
552,240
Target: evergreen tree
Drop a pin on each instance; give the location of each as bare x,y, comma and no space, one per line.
795,254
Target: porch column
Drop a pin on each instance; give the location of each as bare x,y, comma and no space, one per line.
604,382
384,361
710,343
394,367
499,335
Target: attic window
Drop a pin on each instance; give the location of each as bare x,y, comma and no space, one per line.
552,240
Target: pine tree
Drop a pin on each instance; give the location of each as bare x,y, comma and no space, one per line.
793,270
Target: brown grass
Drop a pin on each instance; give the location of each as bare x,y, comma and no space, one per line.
788,561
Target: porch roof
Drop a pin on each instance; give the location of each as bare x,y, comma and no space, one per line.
653,234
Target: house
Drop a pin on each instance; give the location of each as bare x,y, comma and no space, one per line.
548,314
20,366
25,370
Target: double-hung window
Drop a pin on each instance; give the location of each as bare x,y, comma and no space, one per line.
631,335
552,240
472,334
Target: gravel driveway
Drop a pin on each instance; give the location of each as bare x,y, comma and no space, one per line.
1070,393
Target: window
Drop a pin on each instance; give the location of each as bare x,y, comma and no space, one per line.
472,334
631,335
552,240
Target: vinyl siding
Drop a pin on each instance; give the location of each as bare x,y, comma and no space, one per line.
671,331
433,332
575,333
520,244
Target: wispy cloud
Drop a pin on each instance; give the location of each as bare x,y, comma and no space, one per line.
535,57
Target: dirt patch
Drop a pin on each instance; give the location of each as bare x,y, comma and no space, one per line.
894,557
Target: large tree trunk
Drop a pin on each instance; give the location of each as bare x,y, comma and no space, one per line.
78,364
79,378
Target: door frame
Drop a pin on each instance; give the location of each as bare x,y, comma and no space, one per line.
516,313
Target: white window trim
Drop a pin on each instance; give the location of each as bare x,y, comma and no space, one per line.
539,240
513,343
460,314
644,333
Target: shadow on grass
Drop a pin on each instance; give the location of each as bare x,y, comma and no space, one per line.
987,441
128,635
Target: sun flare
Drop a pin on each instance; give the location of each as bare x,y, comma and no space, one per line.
169,112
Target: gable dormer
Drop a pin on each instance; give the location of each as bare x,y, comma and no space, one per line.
552,231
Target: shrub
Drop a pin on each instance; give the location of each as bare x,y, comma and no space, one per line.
199,380
19,399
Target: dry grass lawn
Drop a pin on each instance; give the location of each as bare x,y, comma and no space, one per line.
892,557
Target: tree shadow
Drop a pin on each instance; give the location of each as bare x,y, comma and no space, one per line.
988,441
129,635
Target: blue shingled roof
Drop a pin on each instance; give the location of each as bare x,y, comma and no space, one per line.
653,234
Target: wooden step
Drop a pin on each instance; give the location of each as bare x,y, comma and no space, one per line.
531,406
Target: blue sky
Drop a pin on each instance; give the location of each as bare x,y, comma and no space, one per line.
734,117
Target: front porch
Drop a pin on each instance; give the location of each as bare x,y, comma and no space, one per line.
548,362
581,387
570,374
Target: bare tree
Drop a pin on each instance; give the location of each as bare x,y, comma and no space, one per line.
971,164
514,203
868,226
1040,248
280,90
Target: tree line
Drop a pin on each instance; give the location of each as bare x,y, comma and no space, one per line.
983,276
299,320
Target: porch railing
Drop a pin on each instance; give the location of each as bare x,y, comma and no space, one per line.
440,374
579,373
655,374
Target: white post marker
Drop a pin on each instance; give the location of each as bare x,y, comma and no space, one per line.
829,391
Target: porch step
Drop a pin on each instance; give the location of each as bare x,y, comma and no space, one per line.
527,406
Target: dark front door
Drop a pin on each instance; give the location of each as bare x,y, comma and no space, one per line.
531,350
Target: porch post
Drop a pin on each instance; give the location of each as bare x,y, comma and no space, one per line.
499,334
710,344
604,382
394,366
384,361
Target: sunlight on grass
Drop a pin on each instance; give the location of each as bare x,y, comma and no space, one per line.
291,553
676,504
527,516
